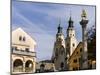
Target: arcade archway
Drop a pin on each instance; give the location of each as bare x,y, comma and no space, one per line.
18,65
29,66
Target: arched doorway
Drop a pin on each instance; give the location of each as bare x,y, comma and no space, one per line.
29,66
42,67
18,65
62,66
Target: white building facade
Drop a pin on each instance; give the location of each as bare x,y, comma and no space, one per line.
23,55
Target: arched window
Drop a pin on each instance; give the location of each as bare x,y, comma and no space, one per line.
56,52
24,38
20,38
62,50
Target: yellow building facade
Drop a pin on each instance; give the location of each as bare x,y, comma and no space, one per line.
23,55
74,60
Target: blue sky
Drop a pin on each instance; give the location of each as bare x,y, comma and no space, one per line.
40,21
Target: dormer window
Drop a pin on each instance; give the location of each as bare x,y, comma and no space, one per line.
20,38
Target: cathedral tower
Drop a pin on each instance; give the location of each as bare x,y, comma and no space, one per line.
70,41
59,50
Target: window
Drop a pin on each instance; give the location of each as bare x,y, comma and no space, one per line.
24,38
73,44
76,52
27,49
56,52
67,45
62,50
80,49
20,38
75,60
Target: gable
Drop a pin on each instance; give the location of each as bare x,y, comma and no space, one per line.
19,36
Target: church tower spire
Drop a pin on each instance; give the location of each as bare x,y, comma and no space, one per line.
70,29
70,41
70,23
59,27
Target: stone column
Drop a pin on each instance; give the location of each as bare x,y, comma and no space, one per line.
24,67
84,57
24,64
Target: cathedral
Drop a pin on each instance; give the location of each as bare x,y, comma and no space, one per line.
68,54
64,47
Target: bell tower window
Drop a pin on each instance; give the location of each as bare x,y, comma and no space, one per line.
80,49
56,52
73,44
62,50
